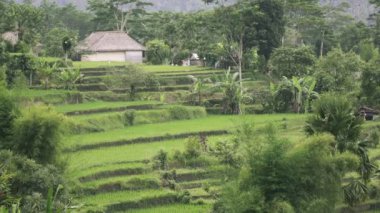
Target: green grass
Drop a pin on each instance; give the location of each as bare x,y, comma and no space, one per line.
122,196
190,72
178,127
177,208
99,105
32,93
85,159
50,59
199,192
96,64
96,183
109,167
148,68
169,68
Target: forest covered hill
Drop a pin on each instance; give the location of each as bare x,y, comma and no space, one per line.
360,9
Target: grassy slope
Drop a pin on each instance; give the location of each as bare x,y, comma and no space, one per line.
177,127
99,105
81,161
115,197
148,68
175,209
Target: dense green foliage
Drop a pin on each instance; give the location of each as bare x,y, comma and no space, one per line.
291,62
157,52
37,134
8,113
277,177
280,56
29,182
335,115
370,85
338,71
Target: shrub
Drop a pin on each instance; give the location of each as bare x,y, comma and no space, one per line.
193,148
20,63
183,112
8,113
372,136
161,160
184,197
226,152
3,77
130,116
157,51
334,114
168,179
37,134
31,180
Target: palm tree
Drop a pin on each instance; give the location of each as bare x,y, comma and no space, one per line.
199,86
334,114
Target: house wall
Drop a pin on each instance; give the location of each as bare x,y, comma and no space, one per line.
130,56
104,56
134,56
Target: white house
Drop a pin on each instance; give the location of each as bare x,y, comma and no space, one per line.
111,46
193,60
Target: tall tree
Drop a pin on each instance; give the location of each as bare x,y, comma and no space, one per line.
116,14
315,24
26,20
237,23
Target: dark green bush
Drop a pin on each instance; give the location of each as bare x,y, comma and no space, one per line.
183,112
29,178
20,63
192,148
130,116
184,197
37,134
335,114
161,160
8,113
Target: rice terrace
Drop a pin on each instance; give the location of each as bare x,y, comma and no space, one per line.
236,106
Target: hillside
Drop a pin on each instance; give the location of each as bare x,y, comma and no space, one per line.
360,9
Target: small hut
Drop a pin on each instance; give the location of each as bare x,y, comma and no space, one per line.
368,113
111,46
193,60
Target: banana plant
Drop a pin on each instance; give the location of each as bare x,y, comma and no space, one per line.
229,85
309,86
199,86
301,87
298,91
45,73
69,77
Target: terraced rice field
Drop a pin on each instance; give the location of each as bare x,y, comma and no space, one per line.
113,168
119,177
